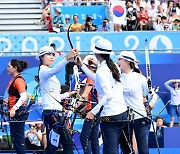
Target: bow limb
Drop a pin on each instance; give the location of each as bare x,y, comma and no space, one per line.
68,36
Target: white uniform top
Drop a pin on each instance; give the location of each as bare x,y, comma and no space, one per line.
134,86
175,93
109,90
50,86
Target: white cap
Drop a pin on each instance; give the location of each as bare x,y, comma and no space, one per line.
44,50
127,55
58,10
67,16
102,46
86,60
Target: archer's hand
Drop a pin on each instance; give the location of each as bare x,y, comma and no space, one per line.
90,115
12,112
78,61
73,53
151,106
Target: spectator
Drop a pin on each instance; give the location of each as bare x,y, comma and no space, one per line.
138,4
157,23
33,138
176,25
76,26
156,2
170,7
45,14
175,99
89,26
67,19
104,27
163,23
172,17
68,2
159,124
42,132
160,11
152,14
166,27
164,5
58,21
143,19
131,16
178,8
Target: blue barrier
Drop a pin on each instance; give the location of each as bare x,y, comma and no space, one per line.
84,40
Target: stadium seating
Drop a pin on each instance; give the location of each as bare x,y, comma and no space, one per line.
19,15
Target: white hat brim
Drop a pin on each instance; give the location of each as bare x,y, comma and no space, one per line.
56,54
100,52
121,57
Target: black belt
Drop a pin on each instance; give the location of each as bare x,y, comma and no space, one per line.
112,118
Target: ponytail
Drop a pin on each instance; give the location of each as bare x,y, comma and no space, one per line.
112,67
37,77
132,65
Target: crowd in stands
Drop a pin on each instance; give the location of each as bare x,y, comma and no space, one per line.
158,15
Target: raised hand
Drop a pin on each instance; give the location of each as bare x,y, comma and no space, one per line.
78,61
73,53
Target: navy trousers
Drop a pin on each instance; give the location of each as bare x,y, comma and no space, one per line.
17,136
17,131
89,137
140,127
53,120
111,132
